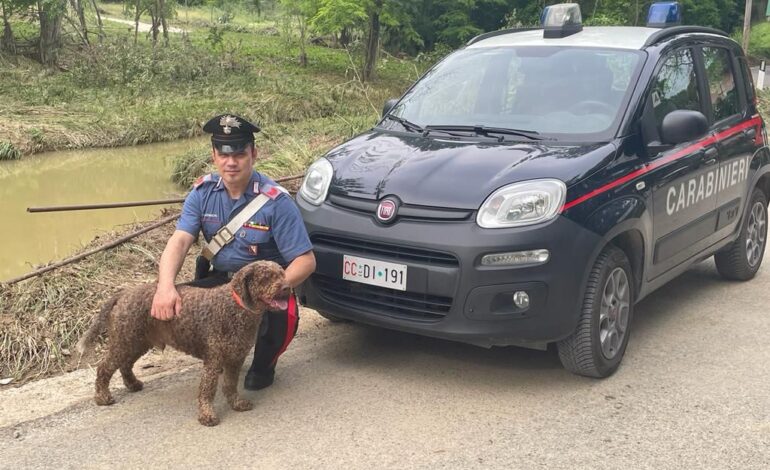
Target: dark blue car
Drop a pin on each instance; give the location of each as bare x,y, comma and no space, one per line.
536,184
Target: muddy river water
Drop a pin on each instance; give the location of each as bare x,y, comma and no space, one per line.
78,177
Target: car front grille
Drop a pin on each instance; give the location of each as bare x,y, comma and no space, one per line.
387,251
382,301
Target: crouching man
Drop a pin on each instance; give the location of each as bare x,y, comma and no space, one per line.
244,217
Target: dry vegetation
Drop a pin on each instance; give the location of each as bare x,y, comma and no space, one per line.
42,318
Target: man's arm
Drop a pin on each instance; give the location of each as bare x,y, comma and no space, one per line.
300,268
167,302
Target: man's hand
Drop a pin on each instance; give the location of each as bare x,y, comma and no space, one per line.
166,304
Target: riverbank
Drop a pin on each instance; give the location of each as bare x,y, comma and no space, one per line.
118,93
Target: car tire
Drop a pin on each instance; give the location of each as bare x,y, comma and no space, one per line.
598,344
332,318
741,260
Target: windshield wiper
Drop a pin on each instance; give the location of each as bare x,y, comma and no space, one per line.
486,131
408,125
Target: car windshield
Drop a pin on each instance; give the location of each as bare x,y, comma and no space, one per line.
559,93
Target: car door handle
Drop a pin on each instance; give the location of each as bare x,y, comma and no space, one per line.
711,156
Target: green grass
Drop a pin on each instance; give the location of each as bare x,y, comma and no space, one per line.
120,94
8,151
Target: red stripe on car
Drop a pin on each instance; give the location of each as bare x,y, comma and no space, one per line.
754,121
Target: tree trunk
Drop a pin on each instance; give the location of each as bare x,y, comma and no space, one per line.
50,15
155,22
98,21
302,34
77,6
137,15
163,23
373,41
760,10
7,44
345,37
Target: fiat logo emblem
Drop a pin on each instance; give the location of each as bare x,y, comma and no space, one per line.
386,211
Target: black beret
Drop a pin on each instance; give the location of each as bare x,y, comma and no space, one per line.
230,133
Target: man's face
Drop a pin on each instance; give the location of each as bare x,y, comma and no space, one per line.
235,168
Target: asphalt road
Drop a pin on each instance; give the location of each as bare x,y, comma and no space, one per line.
692,393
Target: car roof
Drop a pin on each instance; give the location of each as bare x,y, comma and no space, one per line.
615,37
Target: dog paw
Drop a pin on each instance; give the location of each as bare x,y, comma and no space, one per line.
135,386
208,420
242,405
104,400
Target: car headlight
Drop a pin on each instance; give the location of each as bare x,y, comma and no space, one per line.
525,203
318,177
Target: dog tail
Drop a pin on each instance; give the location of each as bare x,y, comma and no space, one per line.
98,325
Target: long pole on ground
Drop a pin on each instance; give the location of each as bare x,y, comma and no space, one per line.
746,26
115,205
113,243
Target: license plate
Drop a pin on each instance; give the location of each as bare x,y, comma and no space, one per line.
374,272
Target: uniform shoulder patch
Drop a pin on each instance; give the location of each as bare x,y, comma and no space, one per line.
209,178
273,191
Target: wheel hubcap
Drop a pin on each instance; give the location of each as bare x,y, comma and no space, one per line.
613,317
756,234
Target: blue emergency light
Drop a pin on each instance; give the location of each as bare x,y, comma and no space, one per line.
561,20
664,14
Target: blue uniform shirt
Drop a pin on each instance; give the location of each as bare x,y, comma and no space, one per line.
276,233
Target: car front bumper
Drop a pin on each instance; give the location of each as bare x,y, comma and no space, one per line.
449,294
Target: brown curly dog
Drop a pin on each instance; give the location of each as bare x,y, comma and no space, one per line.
217,325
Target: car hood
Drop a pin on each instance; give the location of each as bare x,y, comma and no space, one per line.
439,172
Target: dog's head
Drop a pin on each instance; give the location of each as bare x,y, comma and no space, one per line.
261,286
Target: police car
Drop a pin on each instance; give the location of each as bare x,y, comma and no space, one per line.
536,184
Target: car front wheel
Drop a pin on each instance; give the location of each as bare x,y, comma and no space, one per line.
597,345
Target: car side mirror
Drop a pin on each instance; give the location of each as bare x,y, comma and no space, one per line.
682,126
678,127
389,106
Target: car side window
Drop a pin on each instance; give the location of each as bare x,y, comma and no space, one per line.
748,79
675,86
721,82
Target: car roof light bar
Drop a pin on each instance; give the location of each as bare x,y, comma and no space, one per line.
561,20
664,15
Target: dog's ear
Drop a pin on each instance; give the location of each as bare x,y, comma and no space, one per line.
240,284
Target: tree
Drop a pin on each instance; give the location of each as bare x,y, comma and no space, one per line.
159,10
373,38
7,43
302,11
339,17
50,14
82,28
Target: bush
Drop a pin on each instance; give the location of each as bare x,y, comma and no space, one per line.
759,42
121,63
8,151
188,167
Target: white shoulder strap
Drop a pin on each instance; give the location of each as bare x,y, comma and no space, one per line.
227,233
